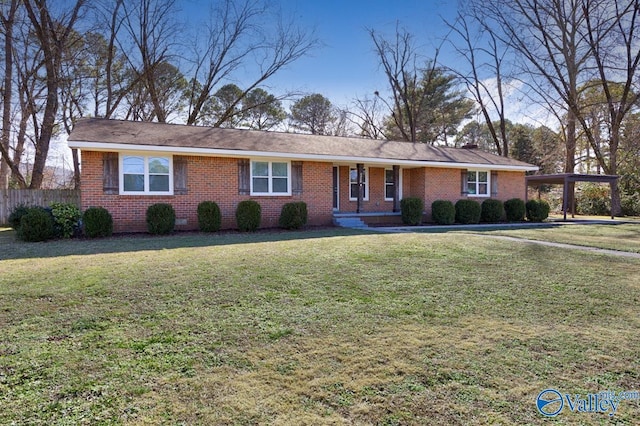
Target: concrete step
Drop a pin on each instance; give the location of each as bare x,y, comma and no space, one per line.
349,222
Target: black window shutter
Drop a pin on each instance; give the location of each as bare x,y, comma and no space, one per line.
494,183
244,184
296,177
110,177
464,188
180,175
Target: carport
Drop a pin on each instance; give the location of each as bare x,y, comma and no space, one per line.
568,181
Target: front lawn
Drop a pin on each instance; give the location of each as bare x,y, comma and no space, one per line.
624,237
320,327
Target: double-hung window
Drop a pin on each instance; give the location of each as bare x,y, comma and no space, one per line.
478,183
146,175
270,178
353,184
389,185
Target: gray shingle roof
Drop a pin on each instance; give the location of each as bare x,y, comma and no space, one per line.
176,137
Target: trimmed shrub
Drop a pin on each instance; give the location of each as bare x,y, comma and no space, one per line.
16,215
209,216
161,219
443,212
468,211
97,222
411,209
630,204
515,210
594,200
492,211
66,218
36,225
248,215
537,211
293,215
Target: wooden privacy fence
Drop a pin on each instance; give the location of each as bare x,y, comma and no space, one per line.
10,198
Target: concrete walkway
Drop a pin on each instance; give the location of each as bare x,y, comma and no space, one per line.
564,246
506,226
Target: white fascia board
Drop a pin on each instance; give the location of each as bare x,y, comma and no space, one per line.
215,152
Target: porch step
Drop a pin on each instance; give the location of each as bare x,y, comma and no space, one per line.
349,222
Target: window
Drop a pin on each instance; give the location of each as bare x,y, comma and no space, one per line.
389,185
477,183
146,175
270,178
353,184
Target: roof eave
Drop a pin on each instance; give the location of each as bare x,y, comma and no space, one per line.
216,152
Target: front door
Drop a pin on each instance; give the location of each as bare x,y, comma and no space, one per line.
335,188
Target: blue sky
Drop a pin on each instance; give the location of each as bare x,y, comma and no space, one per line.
346,67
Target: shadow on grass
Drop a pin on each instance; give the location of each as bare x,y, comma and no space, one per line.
11,248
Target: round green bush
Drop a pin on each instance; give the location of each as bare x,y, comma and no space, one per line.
36,225
161,219
468,212
248,215
97,222
514,210
537,210
411,209
209,216
293,215
594,200
630,204
443,212
16,215
66,219
492,211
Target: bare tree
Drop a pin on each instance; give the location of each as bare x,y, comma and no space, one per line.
6,165
399,60
489,101
567,43
546,34
368,115
614,40
425,105
237,37
152,28
53,33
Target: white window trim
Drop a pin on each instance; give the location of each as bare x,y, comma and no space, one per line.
385,184
488,194
146,174
367,177
270,177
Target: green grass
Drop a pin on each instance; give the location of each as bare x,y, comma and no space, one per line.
319,327
623,237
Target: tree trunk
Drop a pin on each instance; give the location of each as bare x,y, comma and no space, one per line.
5,162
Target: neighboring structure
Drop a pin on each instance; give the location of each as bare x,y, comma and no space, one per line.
127,166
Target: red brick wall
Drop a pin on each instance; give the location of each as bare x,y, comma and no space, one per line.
445,184
216,179
209,178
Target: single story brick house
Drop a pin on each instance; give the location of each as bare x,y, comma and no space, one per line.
127,166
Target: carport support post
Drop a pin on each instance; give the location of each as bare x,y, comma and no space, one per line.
565,197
